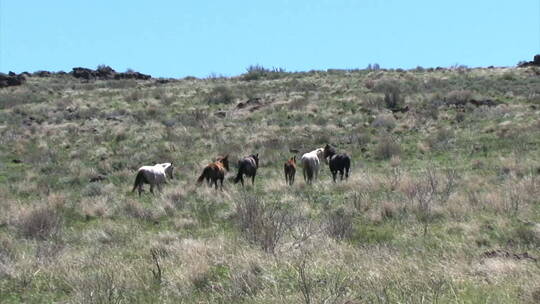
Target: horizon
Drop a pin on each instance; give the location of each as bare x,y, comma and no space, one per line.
177,40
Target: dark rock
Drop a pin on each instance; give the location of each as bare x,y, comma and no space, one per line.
486,102
97,178
83,73
132,75
535,62
105,72
42,73
500,253
16,161
11,79
400,109
220,114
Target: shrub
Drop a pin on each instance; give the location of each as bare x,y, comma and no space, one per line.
458,97
442,139
387,147
262,223
257,72
220,94
386,121
339,224
41,223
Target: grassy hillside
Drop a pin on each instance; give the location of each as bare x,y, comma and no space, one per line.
443,204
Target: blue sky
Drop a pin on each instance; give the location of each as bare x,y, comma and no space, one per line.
199,38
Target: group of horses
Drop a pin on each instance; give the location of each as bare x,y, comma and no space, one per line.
215,172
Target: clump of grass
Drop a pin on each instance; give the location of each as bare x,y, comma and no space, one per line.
42,223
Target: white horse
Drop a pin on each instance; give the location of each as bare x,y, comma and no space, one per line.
311,162
153,175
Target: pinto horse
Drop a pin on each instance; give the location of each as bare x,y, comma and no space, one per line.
153,175
290,170
337,162
248,166
215,171
311,164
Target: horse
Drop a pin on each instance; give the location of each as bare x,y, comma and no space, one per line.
290,170
311,163
337,162
248,166
153,175
215,171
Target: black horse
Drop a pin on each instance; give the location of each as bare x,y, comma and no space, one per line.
337,162
248,166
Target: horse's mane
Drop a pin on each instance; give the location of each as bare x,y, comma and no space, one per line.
223,161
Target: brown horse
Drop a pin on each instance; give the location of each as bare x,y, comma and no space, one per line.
290,170
215,171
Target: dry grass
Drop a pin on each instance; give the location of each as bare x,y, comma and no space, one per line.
431,190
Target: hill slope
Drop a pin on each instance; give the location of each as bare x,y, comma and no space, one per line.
442,204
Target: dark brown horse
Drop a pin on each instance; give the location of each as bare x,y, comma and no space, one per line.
290,170
337,162
215,171
248,166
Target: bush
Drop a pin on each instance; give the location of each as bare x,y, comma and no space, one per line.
340,224
258,72
262,223
42,224
220,94
387,147
386,121
441,140
458,97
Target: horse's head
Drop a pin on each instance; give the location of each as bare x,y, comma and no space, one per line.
320,153
256,158
225,161
169,167
328,151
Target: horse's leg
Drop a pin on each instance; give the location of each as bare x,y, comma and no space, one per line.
334,174
341,174
253,179
221,181
152,189
304,171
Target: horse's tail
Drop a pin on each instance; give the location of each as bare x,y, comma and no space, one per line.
309,172
239,175
348,165
139,179
203,175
